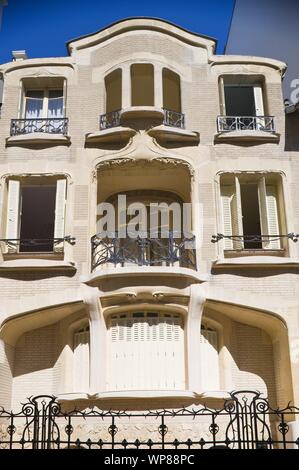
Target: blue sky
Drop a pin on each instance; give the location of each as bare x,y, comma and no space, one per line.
42,27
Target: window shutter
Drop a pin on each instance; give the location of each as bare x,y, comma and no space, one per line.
262,195
209,360
21,109
81,361
258,99
59,213
146,353
226,196
236,211
272,216
64,97
13,212
222,97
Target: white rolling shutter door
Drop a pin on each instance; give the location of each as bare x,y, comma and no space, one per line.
81,360
209,360
146,352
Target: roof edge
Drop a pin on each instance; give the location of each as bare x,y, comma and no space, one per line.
115,23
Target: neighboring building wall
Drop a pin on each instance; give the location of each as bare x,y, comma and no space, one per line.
267,29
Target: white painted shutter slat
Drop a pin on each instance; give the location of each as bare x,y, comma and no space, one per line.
272,216
13,211
60,213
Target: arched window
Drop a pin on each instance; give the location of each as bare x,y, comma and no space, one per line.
113,91
142,85
146,351
81,360
171,91
209,358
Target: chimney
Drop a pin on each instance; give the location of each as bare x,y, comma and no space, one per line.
19,55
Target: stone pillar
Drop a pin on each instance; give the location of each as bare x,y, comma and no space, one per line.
126,86
97,341
197,301
158,86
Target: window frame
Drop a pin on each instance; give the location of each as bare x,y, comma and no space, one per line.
278,178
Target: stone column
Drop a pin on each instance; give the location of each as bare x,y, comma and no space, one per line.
158,86
97,341
126,86
197,301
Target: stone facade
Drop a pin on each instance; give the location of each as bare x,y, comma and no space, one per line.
246,297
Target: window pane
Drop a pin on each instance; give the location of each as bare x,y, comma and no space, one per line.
239,101
55,105
37,220
34,104
142,84
251,214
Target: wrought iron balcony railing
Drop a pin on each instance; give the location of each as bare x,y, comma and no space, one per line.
109,120
246,420
254,238
113,119
34,244
245,123
174,119
143,251
47,126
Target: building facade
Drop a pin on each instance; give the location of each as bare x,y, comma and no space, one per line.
144,112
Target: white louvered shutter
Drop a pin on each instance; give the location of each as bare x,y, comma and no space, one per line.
226,197
59,213
272,216
209,360
13,211
81,360
262,196
236,211
258,99
222,97
146,352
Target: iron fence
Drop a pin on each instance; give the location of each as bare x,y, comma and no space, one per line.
174,119
143,250
245,421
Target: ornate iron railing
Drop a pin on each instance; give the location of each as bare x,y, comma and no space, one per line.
34,244
109,120
245,123
245,421
143,251
113,119
174,119
254,238
47,126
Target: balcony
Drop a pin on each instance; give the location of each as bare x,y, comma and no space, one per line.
176,250
115,126
31,130
246,128
113,119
